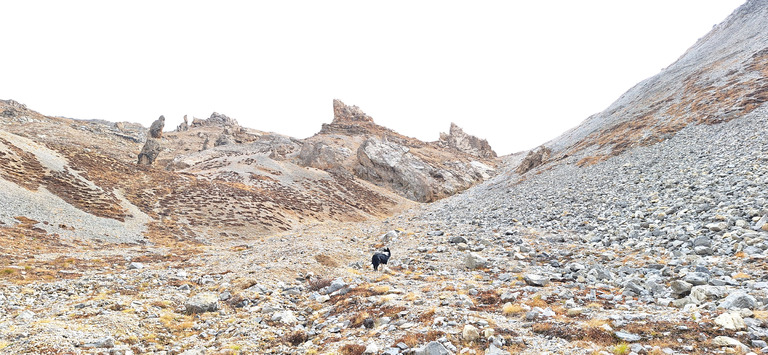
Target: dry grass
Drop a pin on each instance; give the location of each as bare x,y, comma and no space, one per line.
512,309
427,316
595,323
409,339
537,302
326,260
380,289
571,333
358,319
741,275
351,349
296,338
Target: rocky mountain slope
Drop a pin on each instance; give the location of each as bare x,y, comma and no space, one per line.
720,78
642,231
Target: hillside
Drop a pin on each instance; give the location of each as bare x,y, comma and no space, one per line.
644,230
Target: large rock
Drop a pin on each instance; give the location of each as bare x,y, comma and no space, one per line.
725,341
680,287
150,151
704,293
731,321
202,302
470,333
474,261
536,280
534,158
184,126
320,155
392,165
349,114
216,119
156,129
739,299
432,348
457,139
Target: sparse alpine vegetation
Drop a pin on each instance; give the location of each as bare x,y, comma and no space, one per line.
642,231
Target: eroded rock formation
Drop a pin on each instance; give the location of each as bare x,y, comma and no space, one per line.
184,126
152,147
534,158
457,139
156,129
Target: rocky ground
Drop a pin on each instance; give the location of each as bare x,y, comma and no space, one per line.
661,250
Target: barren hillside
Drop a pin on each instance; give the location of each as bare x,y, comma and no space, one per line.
643,230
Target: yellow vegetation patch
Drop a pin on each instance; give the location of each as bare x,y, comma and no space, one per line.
621,349
595,323
511,309
761,315
380,289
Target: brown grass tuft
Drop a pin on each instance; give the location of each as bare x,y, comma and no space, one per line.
326,260
351,349
296,338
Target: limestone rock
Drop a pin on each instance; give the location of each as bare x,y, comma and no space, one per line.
731,321
728,341
470,333
457,139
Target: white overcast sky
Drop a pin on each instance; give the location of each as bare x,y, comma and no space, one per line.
517,73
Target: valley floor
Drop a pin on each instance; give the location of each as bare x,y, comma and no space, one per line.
463,289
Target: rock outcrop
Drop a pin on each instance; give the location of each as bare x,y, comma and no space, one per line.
321,155
457,139
216,119
153,146
12,108
394,166
351,120
348,114
156,129
534,159
150,151
184,126
417,170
